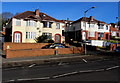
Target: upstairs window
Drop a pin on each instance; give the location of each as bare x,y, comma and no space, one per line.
47,24
101,26
106,27
57,25
31,23
63,33
91,25
18,22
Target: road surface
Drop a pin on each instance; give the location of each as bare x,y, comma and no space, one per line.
100,70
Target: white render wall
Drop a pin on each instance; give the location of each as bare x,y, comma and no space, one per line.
23,28
80,25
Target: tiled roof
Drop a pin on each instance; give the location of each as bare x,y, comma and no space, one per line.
30,14
88,20
113,29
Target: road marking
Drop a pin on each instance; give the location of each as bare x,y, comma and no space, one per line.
112,67
65,74
10,69
100,70
85,71
32,65
42,78
11,80
61,63
84,60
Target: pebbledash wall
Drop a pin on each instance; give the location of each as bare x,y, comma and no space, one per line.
14,50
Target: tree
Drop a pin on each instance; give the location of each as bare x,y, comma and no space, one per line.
41,39
4,18
6,15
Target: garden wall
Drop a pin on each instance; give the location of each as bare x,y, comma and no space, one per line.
22,45
41,52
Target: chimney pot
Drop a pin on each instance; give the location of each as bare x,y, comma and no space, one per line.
37,12
91,18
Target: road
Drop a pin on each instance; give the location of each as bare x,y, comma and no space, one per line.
100,70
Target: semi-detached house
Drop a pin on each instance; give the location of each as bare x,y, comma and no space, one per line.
87,29
26,26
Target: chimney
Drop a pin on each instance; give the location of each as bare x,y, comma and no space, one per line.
91,18
37,12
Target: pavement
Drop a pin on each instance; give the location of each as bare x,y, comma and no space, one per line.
49,59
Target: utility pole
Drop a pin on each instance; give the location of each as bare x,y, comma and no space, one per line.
85,25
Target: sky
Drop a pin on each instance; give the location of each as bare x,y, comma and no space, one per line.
104,11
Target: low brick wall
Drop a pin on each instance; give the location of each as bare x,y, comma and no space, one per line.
41,52
113,46
23,45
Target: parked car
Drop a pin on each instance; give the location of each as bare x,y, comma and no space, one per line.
55,45
117,49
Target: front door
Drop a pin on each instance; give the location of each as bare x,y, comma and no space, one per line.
57,38
17,37
84,36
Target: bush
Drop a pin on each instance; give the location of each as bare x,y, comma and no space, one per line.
41,39
50,41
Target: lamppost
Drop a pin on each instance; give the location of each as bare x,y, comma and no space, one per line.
117,19
85,25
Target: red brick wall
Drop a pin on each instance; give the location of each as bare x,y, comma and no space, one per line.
23,45
112,47
41,52
105,36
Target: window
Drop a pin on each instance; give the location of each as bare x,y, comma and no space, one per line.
113,33
31,23
91,25
47,24
57,25
101,26
49,35
106,27
30,35
91,34
100,34
18,22
83,24
26,35
63,33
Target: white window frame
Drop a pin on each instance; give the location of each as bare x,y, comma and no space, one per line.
91,34
18,22
57,25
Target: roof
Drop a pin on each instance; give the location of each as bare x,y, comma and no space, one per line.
113,29
31,14
88,20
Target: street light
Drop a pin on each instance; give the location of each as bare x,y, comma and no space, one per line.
85,24
117,19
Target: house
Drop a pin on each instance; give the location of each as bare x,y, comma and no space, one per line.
115,32
87,29
26,26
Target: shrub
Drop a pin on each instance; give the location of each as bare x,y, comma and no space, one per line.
50,41
41,39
